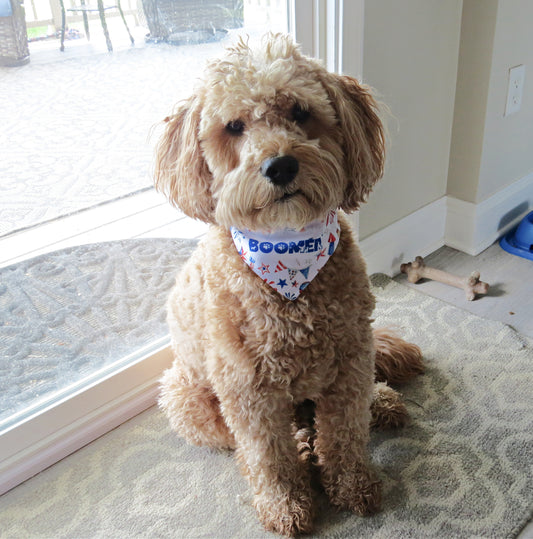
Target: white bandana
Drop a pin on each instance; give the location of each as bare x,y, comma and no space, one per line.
288,259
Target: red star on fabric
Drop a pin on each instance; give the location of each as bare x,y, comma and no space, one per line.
321,254
264,269
243,254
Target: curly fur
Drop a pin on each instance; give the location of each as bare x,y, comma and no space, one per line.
397,361
288,384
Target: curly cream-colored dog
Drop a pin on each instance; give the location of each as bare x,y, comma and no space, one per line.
271,316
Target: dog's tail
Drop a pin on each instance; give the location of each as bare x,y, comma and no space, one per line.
397,361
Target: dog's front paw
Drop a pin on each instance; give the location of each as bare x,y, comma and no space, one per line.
358,491
288,515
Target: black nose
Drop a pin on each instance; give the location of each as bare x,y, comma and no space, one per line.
280,170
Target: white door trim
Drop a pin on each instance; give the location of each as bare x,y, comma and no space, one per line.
42,439
332,30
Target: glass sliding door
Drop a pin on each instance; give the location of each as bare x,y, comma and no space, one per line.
87,249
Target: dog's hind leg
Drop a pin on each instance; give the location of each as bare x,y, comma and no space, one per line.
193,410
397,361
387,408
304,430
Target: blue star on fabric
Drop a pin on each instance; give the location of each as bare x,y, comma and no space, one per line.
282,283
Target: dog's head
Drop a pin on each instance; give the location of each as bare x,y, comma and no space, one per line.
270,140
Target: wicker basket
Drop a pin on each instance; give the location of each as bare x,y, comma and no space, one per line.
13,37
178,21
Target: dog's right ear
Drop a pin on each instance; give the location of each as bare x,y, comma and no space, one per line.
181,172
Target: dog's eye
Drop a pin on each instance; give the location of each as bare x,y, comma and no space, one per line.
235,127
299,114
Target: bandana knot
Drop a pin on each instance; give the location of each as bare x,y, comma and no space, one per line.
288,259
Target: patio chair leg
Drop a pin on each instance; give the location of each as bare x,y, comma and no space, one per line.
63,22
101,10
85,21
124,21
86,26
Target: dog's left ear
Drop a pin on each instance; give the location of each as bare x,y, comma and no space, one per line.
364,139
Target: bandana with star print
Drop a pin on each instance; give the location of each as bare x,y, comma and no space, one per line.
288,259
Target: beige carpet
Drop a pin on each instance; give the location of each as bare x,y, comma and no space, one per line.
462,468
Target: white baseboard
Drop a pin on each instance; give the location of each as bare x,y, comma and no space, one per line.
468,227
472,228
418,234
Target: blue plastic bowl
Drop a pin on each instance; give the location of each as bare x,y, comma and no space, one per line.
520,240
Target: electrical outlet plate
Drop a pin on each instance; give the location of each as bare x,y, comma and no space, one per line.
516,87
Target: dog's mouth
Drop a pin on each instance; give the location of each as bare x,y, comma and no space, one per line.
288,196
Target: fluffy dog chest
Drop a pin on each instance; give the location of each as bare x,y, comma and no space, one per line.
294,348
271,341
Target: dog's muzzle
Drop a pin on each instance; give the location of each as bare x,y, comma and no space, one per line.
280,170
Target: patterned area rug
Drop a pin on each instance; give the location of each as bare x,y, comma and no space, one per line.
462,468
66,315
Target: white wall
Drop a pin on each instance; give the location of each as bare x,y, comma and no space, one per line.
410,57
490,183
458,172
473,78
490,151
508,141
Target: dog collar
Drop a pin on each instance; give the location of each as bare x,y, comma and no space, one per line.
288,259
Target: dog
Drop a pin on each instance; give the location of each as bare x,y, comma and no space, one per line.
270,318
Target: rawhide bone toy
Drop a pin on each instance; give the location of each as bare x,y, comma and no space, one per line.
418,270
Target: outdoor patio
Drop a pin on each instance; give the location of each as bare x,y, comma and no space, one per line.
76,132
79,126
